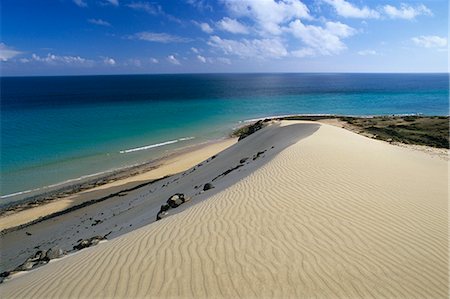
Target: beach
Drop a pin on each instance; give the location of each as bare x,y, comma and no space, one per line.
298,209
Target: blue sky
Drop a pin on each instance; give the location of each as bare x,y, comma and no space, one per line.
68,37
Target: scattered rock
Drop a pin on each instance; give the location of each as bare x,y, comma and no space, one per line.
39,258
88,242
96,222
208,186
227,172
258,155
243,160
28,234
161,215
27,265
176,200
54,253
162,212
173,202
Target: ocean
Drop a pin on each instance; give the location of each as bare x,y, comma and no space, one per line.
63,129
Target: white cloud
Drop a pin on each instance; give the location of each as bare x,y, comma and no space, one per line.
173,60
406,12
147,7
260,48
195,50
232,25
323,40
113,2
160,37
154,60
99,22
367,52
56,59
7,53
348,10
430,41
109,61
201,58
204,27
80,3
269,15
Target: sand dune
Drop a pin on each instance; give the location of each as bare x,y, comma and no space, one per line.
335,215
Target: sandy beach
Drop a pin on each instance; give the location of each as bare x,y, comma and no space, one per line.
296,210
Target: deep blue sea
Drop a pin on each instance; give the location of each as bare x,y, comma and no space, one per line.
55,129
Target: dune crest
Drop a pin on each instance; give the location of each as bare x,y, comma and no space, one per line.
336,215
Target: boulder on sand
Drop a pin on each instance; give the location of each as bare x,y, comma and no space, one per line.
208,186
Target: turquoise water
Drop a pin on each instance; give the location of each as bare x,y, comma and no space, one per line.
55,129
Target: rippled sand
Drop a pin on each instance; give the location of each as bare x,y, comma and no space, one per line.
336,215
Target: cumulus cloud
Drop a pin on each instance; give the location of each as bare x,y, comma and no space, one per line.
109,61
232,25
173,60
53,59
245,48
160,37
80,3
430,41
99,22
7,53
348,10
205,27
325,40
269,15
201,58
154,60
367,52
406,12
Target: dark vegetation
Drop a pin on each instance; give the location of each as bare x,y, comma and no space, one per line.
422,130
247,130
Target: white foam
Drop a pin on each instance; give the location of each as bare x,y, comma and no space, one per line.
146,147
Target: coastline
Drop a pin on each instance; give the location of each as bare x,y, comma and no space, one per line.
31,209
41,206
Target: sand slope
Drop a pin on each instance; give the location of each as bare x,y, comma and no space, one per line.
336,215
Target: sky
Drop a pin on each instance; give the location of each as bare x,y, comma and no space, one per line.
86,37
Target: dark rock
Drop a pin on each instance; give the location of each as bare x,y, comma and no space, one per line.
28,234
28,265
164,208
258,155
88,242
161,215
176,200
54,253
208,186
96,222
243,160
3,275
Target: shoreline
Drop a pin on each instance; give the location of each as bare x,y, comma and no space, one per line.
116,181
24,212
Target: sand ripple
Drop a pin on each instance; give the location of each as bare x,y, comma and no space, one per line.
336,215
